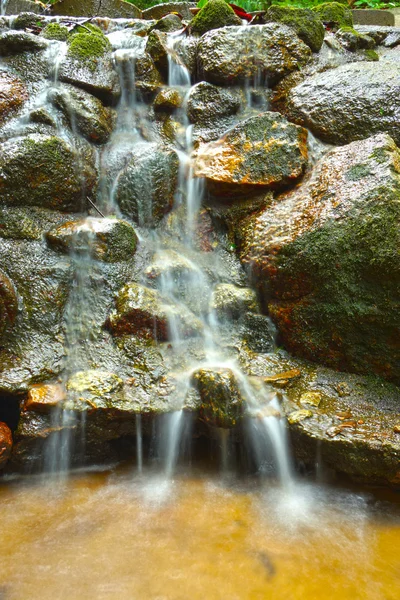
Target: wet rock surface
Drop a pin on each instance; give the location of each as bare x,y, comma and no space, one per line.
6,443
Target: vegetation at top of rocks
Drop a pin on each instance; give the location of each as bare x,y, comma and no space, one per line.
87,43
334,14
304,21
215,14
55,31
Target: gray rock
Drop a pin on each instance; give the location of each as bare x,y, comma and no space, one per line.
232,55
16,42
96,8
349,103
161,10
207,103
14,7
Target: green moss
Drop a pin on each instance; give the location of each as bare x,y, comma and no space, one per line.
88,46
86,28
371,55
55,31
335,14
215,14
358,172
304,21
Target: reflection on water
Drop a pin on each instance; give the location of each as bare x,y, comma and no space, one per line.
105,536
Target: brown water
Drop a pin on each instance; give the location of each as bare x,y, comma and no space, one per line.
109,535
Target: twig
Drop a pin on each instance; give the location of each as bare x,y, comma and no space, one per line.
95,207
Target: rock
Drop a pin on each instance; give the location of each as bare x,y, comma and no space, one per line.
213,15
262,151
161,10
207,103
13,94
299,415
334,14
85,113
350,103
89,65
311,399
147,78
378,33
327,259
353,40
157,48
41,170
92,387
146,186
28,20
234,55
16,42
304,21
285,376
14,7
55,31
231,301
377,17
168,24
109,240
167,100
43,398
8,303
396,428
6,443
144,312
221,401
96,8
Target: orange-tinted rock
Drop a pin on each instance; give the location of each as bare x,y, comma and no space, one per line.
263,151
44,397
5,444
8,303
13,94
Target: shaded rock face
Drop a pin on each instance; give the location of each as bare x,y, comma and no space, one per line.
16,42
13,94
146,187
6,443
99,8
8,303
40,170
263,151
327,258
110,240
221,400
145,313
232,55
354,101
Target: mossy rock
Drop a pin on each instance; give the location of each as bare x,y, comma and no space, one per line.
215,14
334,14
8,303
55,31
28,20
304,21
13,95
352,40
88,46
167,24
17,42
221,400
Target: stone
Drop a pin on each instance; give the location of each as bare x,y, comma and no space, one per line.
6,443
304,21
350,103
40,170
13,94
96,8
221,402
144,312
311,399
85,113
373,17
168,24
93,388
299,415
16,42
326,255
109,240
15,7
213,15
396,428
207,103
231,301
8,304
44,397
234,55
354,40
157,48
167,100
28,20
146,186
334,14
148,80
285,376
260,152
161,10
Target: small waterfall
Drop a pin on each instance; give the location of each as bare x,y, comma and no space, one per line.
170,441
3,7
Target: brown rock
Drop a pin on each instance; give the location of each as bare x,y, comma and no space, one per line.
43,397
6,442
13,94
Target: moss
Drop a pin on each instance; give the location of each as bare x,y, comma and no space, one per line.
371,55
88,46
334,14
357,172
215,14
55,31
306,24
28,20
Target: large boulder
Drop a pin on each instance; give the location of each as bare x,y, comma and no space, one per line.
146,186
14,7
165,8
334,14
262,151
144,312
16,42
326,257
6,443
41,170
350,103
207,103
13,94
307,25
85,113
214,14
96,8
232,55
109,240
